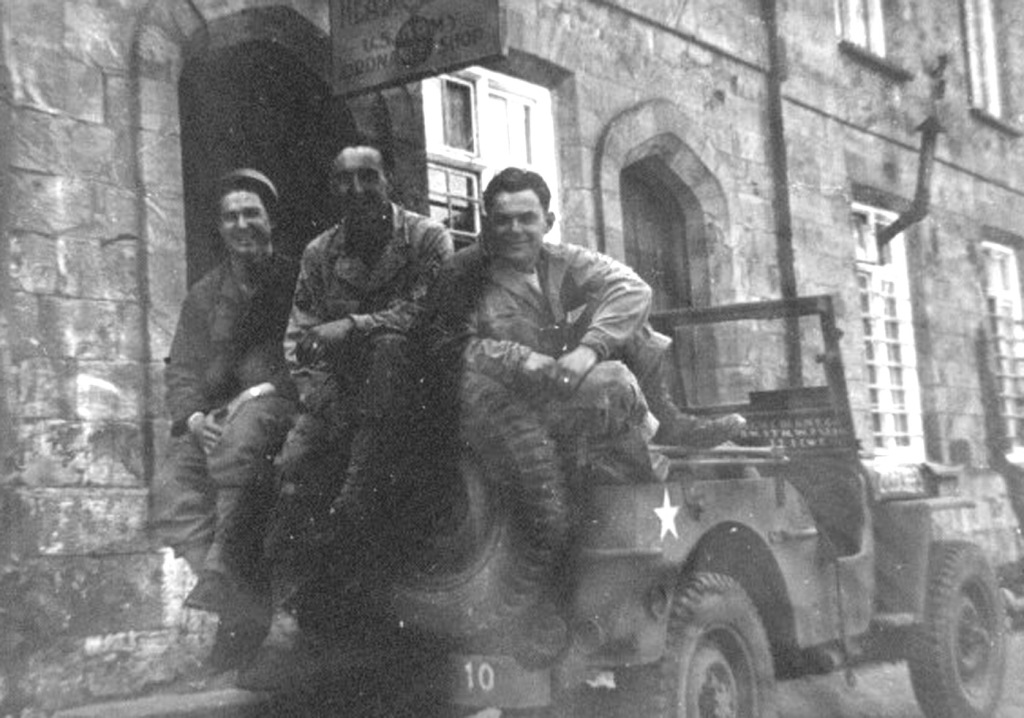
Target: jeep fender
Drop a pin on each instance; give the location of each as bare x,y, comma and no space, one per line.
904,533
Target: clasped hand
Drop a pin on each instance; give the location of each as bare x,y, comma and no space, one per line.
562,375
206,429
318,341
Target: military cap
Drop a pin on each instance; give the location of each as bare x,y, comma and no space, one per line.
249,179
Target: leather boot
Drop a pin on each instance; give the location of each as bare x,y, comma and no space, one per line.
236,565
697,432
213,591
234,579
678,428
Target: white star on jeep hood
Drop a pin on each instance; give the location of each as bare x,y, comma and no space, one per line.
667,514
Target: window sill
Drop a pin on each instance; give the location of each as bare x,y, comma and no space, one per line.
882,65
987,118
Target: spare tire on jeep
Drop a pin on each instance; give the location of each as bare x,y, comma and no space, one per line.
501,521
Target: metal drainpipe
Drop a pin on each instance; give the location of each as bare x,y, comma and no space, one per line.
929,129
8,433
780,181
918,208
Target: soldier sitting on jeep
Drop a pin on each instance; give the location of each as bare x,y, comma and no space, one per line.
559,335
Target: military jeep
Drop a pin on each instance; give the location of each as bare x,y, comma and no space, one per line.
782,555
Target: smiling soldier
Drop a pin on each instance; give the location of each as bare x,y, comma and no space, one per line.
231,401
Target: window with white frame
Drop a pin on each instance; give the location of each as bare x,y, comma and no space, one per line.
477,122
890,354
861,23
983,56
1006,324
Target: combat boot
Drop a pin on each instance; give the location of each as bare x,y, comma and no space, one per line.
234,582
213,591
677,428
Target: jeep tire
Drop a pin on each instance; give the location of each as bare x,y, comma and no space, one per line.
717,662
957,654
508,522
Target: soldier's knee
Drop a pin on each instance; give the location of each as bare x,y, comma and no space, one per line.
616,384
388,346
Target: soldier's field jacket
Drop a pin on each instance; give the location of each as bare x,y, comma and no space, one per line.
334,284
587,298
226,341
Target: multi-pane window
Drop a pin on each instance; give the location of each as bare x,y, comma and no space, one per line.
983,56
478,122
1006,324
860,22
455,199
891,360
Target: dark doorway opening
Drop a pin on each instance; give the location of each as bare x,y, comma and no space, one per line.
654,226
257,105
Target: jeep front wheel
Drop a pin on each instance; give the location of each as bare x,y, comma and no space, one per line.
958,653
717,662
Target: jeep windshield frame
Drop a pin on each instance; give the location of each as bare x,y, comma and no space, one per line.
803,409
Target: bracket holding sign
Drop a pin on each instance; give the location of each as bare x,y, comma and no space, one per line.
383,43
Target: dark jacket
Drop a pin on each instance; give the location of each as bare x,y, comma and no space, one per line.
226,342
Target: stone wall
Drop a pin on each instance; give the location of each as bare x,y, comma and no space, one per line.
92,224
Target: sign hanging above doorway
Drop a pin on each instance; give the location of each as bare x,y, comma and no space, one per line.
381,43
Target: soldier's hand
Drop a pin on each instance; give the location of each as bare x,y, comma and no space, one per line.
205,429
540,371
315,345
575,365
333,334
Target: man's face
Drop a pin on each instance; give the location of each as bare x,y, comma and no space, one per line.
245,225
515,227
359,182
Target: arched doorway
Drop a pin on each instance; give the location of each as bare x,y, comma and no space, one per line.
256,104
654,231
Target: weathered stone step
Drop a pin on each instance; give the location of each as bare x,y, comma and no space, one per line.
222,703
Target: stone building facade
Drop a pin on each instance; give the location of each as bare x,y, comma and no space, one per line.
774,157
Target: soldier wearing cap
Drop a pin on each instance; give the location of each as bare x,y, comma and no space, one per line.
231,400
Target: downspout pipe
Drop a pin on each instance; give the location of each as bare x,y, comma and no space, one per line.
779,162
921,203
8,415
929,129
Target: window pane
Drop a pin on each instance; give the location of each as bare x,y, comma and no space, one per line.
498,127
983,56
895,353
459,185
455,201
1005,322
861,22
528,133
457,106
888,349
437,181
